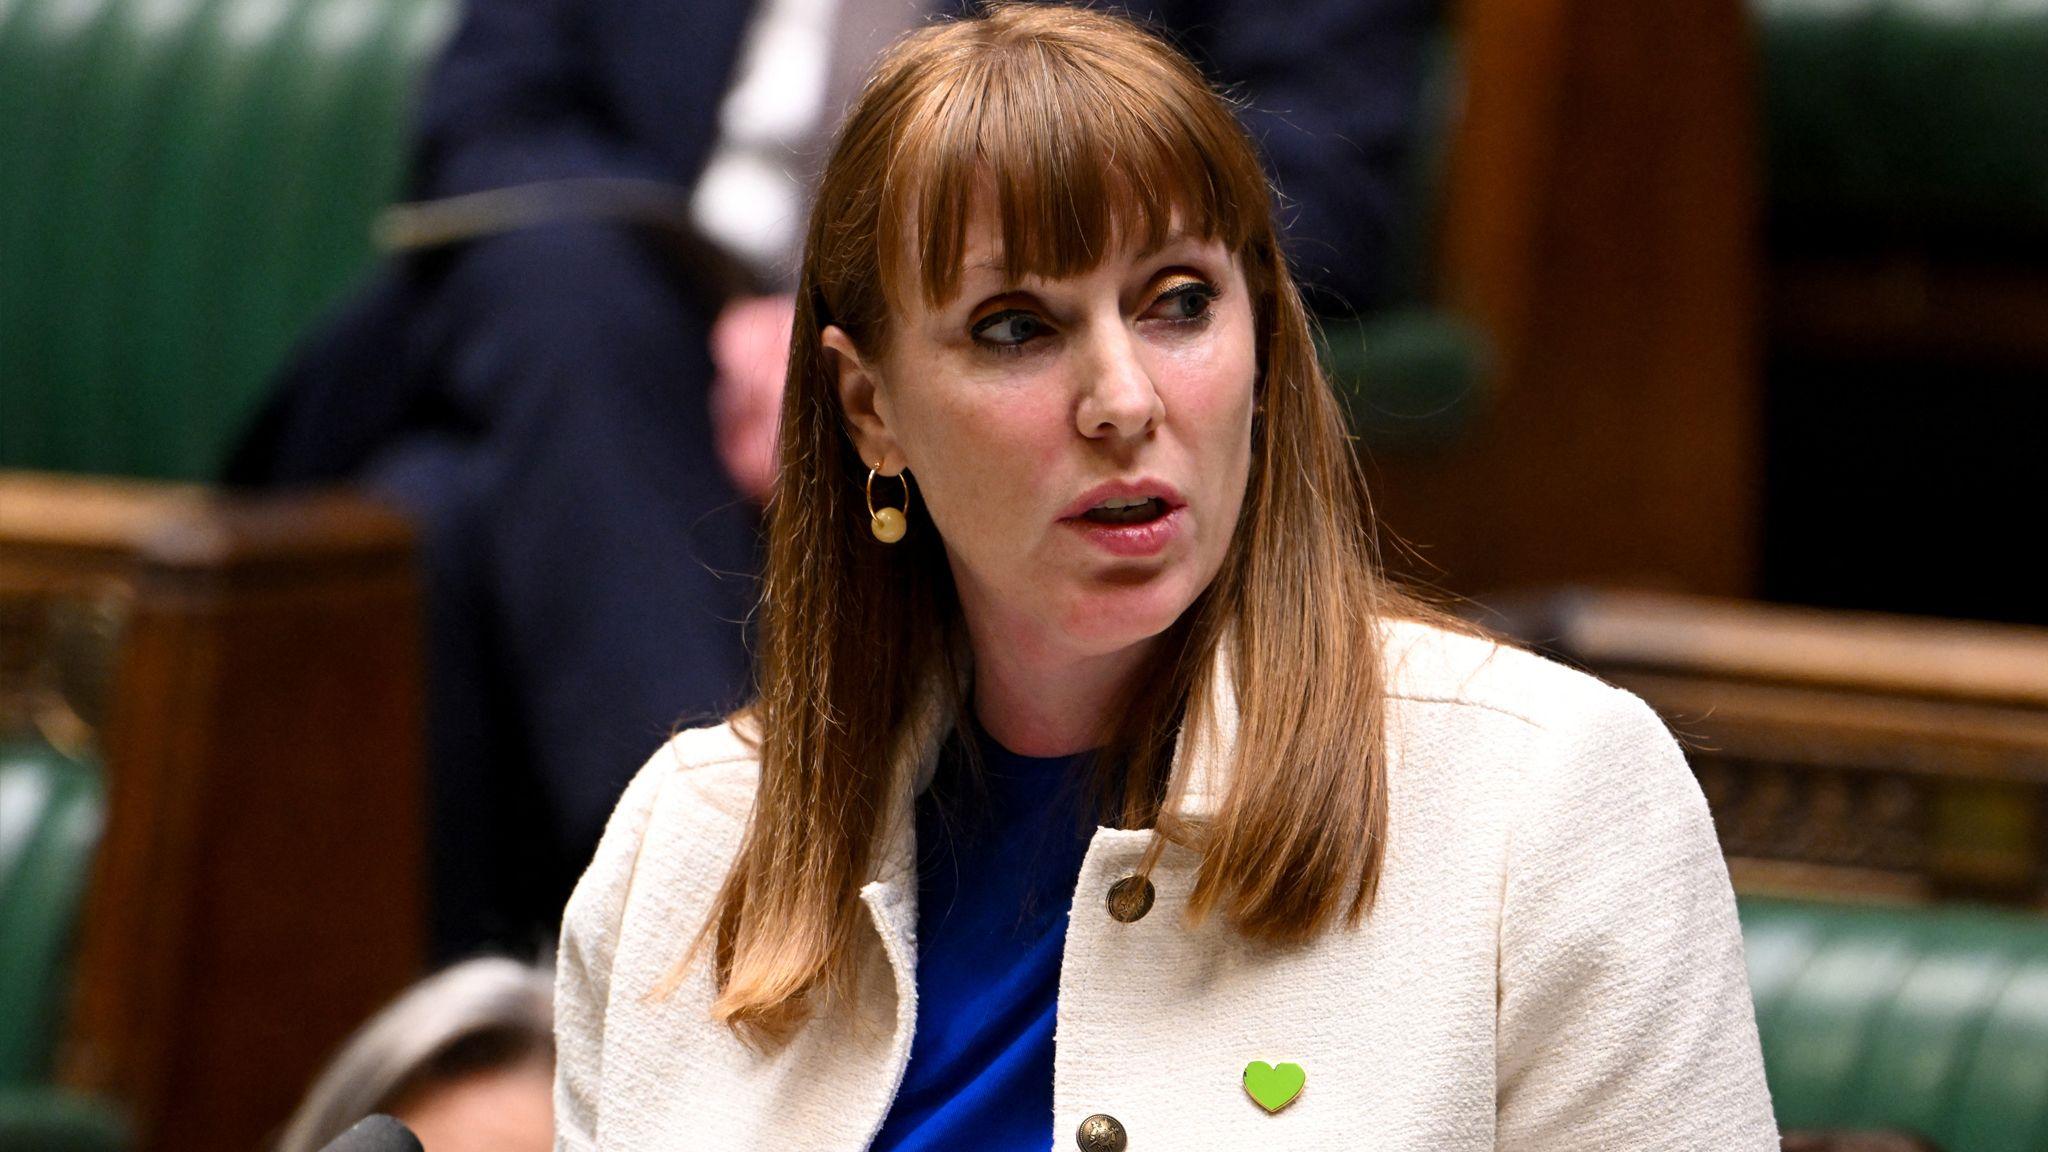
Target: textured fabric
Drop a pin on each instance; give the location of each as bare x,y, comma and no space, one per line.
996,866
1553,962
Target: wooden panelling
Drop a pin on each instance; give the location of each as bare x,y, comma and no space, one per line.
1600,225
259,892
1842,753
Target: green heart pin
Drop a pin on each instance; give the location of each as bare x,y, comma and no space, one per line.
1274,1088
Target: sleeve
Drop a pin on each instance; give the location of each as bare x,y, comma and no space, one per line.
1625,1018
583,961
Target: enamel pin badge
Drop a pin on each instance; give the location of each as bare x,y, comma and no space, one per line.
1273,1088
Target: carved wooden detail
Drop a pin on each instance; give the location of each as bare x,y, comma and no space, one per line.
1841,753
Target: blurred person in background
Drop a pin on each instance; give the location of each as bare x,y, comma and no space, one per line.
570,381
465,1059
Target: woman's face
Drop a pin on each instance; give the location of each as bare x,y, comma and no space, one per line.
1019,408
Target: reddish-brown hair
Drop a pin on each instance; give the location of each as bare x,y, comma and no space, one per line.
1091,131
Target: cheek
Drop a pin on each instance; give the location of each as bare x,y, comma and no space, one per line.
1222,399
982,451
1212,396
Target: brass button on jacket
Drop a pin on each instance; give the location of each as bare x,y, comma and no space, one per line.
1130,898
1101,1133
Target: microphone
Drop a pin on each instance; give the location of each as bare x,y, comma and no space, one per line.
379,1133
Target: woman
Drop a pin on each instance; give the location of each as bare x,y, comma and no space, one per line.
1098,789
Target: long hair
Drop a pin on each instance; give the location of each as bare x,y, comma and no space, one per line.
1090,130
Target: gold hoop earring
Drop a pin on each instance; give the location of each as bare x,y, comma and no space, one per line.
889,524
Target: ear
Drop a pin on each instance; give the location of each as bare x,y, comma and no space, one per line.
861,402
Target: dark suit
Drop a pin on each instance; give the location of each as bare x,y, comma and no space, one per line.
536,400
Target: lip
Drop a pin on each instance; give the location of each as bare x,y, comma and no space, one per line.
1132,540
1143,488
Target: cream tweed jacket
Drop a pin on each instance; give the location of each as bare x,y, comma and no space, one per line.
1553,961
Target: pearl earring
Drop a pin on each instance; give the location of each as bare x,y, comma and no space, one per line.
889,524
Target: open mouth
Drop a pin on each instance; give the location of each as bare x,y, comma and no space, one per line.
1120,512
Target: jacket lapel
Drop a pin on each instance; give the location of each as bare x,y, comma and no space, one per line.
1196,784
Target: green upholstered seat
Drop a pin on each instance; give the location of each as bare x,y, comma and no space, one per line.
1411,375
1932,1020
51,809
1915,116
1410,378
44,1121
184,185
50,814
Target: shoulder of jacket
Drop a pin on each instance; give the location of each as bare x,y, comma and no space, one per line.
1428,663
1561,748
720,763
694,792
712,767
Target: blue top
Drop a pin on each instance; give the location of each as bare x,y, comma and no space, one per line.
994,883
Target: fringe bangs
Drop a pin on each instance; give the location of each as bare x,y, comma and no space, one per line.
1080,146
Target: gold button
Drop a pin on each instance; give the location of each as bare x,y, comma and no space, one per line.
1100,1133
1130,898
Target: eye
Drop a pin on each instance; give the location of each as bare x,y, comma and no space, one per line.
1009,329
1188,301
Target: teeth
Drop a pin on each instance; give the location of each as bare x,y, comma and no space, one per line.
1123,502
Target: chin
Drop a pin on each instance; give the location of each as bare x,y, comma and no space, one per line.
1109,617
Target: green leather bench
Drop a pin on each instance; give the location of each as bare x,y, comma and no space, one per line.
184,185
1932,1020
51,807
1905,118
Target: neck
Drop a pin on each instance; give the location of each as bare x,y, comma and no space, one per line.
1038,701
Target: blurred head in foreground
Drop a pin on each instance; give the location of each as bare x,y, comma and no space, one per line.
464,1058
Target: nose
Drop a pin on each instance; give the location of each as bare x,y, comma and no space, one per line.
1118,397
